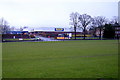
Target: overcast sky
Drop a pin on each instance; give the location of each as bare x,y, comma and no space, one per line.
53,13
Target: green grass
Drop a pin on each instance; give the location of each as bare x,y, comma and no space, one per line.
61,59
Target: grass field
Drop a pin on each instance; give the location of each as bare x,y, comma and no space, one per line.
61,59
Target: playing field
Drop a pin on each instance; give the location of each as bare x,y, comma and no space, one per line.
61,59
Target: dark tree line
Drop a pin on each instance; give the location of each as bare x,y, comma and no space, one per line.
109,31
85,21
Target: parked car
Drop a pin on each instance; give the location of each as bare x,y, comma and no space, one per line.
36,38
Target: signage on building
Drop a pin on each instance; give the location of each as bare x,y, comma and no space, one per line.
59,29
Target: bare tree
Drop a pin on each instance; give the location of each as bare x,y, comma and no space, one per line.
4,27
114,20
74,19
12,28
99,22
84,20
21,29
93,26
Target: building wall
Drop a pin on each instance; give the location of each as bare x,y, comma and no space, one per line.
117,31
97,33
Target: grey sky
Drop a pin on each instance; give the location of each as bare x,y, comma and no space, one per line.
53,13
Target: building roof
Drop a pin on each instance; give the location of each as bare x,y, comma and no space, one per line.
48,29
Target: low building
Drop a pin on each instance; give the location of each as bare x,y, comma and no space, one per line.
53,32
117,31
17,32
97,33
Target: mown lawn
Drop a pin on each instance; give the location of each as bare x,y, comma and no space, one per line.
61,59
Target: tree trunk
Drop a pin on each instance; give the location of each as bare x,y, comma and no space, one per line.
100,34
75,31
84,33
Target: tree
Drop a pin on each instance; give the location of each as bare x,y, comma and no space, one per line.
74,19
21,29
84,20
93,26
109,31
114,20
100,21
4,27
